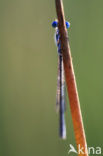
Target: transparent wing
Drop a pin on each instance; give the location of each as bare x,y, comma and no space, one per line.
60,95
62,101
63,88
58,88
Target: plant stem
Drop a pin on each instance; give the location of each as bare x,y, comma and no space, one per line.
70,81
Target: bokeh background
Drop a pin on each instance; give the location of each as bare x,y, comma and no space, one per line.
28,75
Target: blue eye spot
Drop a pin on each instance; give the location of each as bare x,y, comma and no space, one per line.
55,24
67,24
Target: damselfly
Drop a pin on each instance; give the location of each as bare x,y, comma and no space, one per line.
60,95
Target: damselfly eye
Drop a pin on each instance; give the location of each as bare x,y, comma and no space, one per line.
55,24
67,24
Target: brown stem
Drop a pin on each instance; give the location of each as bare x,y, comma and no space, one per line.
70,81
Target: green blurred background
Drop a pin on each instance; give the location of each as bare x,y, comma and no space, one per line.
28,75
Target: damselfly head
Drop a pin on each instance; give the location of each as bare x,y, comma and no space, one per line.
55,24
67,24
